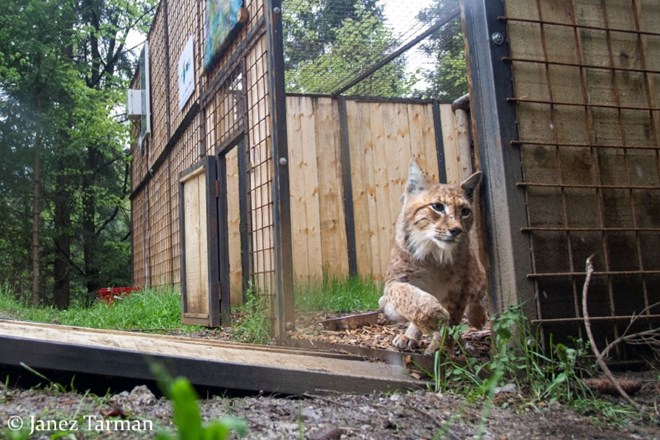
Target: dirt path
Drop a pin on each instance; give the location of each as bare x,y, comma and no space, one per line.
417,415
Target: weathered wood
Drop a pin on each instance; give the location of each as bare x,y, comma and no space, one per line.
195,239
382,146
452,149
297,186
350,321
234,233
204,363
309,167
357,122
331,212
382,138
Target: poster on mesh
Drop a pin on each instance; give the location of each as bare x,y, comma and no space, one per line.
224,18
186,73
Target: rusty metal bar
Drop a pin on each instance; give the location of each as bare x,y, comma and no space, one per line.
578,145
577,26
622,134
582,104
601,273
595,318
559,173
594,229
582,186
648,83
585,66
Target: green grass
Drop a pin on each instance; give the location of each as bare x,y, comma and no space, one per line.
251,320
331,294
147,310
539,377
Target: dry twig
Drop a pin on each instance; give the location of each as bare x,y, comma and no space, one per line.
648,337
587,324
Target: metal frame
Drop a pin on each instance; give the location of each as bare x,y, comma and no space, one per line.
283,312
439,143
347,184
494,122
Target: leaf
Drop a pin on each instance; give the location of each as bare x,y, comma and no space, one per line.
186,411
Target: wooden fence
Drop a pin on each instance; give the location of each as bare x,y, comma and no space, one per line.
335,230
370,152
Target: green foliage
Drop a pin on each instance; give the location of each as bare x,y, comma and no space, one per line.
252,324
326,45
537,375
447,80
61,89
147,310
187,416
333,294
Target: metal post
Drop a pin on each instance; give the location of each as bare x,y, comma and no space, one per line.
283,313
347,183
493,119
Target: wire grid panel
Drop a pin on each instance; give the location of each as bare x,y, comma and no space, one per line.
184,154
225,113
260,169
158,71
139,254
160,224
585,81
329,43
182,24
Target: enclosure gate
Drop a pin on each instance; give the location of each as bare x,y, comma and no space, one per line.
228,137
572,159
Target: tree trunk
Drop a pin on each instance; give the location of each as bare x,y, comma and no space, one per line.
89,223
36,216
63,201
62,223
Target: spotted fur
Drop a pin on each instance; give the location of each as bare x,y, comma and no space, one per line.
433,275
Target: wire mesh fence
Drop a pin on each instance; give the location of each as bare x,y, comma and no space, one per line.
374,48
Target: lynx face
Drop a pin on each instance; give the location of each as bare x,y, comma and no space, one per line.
435,217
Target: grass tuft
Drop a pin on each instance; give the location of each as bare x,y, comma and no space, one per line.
332,294
146,310
252,324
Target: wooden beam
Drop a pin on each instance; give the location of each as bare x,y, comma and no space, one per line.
203,362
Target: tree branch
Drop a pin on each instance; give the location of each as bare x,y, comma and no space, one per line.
594,348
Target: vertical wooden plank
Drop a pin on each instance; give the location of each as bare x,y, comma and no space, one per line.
297,186
422,142
464,143
234,233
383,130
369,135
312,229
455,163
331,208
196,260
357,120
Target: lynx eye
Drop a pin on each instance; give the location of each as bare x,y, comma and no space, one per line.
438,207
465,212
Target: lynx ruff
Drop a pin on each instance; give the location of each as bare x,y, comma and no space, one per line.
433,275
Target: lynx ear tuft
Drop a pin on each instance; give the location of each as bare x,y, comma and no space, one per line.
470,184
416,178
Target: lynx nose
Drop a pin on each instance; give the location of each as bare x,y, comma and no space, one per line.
455,232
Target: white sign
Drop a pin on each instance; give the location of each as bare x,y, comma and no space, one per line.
186,73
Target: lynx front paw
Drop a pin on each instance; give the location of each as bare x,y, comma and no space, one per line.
403,342
432,348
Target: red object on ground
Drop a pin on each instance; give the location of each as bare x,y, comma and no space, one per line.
108,294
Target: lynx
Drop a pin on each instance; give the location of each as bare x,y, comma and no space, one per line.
433,274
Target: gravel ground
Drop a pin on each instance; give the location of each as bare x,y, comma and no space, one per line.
138,413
